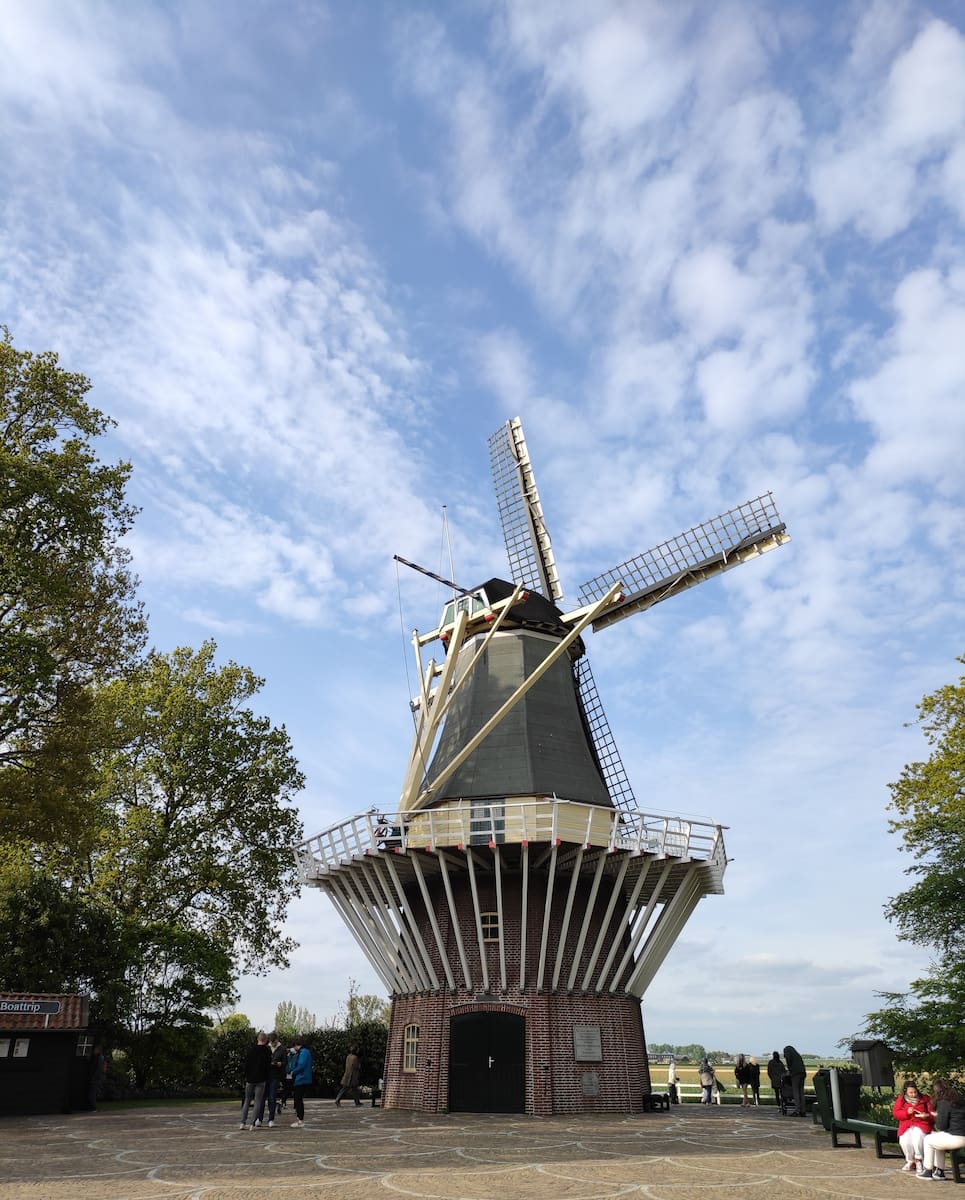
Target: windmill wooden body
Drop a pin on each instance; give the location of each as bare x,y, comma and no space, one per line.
516,903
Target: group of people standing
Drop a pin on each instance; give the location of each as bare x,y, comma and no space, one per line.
271,1073
927,1130
747,1073
796,1073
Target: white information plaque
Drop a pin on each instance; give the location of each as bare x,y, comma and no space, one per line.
587,1046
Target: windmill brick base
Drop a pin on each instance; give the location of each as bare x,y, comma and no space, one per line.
555,1080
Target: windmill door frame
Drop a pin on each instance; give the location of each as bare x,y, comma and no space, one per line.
487,1062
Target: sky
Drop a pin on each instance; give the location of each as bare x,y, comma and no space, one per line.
312,255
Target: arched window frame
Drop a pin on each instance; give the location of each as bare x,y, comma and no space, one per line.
410,1047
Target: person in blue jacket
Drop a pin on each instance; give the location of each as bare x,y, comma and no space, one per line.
301,1078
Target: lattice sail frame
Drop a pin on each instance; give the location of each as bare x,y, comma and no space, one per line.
527,539
608,756
691,557
696,554
532,564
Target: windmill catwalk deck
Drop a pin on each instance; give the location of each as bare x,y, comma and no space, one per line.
515,902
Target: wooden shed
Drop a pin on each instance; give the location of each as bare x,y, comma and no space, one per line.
874,1059
45,1053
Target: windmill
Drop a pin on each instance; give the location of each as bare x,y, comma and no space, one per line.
516,903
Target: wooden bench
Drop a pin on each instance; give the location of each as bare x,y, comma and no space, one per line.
656,1102
881,1134
958,1160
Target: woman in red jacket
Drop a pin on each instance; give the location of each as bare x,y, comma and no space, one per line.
915,1117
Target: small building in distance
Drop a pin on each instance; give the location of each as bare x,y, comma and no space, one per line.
45,1053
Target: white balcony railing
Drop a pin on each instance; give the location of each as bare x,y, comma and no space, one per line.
547,819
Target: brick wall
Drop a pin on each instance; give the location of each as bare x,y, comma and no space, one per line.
554,1076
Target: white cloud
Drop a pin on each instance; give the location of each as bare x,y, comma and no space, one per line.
639,381
506,368
914,400
879,167
924,105
712,294
215,624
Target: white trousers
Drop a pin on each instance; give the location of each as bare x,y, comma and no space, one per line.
935,1146
911,1141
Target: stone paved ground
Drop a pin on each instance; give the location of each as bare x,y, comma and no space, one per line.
198,1153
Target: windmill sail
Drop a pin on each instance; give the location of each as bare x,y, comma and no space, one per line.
527,539
699,553
608,756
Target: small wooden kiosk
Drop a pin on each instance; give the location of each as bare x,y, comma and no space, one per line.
45,1053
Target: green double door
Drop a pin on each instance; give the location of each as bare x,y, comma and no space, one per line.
487,1063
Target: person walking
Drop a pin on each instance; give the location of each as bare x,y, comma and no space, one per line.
301,1079
775,1072
798,1073
257,1062
350,1077
949,1131
707,1079
915,1117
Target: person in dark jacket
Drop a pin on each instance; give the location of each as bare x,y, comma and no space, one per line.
276,1079
798,1073
257,1063
742,1079
754,1079
775,1070
949,1128
95,1076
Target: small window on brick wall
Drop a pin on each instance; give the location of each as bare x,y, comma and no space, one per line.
85,1045
410,1048
490,926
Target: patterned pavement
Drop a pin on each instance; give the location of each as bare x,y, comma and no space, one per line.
199,1153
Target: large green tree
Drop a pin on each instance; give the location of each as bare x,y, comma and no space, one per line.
194,850
145,817
189,871
290,1020
198,826
363,1008
68,612
924,1023
53,938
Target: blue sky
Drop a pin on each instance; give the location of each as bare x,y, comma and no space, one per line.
312,255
